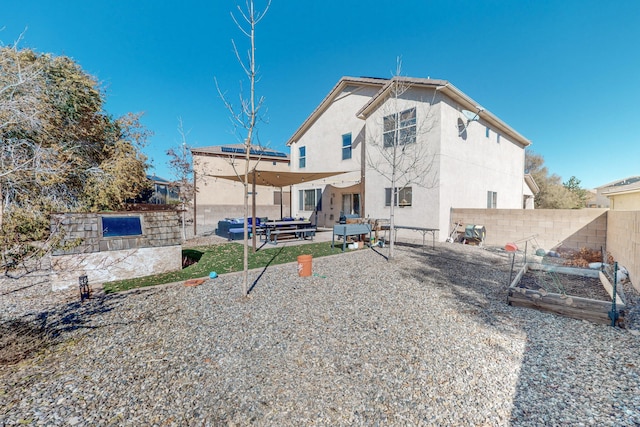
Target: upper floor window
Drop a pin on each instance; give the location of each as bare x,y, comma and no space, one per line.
498,139
492,199
403,194
400,128
346,146
486,132
302,155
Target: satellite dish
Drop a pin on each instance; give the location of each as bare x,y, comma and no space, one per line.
470,115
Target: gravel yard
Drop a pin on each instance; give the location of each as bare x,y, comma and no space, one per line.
426,339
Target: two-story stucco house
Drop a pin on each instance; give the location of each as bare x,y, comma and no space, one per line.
464,156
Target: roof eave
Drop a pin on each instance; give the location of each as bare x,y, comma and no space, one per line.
452,92
533,185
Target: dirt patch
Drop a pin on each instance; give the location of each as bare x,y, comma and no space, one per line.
19,340
568,284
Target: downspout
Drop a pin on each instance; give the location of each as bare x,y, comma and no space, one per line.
363,171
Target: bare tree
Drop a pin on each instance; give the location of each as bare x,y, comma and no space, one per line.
247,116
181,165
400,155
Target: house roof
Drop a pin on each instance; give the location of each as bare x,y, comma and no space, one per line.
385,86
239,149
620,182
158,180
615,190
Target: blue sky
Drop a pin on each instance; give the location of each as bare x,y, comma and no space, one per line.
564,73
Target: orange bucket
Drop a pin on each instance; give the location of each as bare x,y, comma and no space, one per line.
304,265
511,247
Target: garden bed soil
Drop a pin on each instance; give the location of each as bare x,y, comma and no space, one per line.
573,285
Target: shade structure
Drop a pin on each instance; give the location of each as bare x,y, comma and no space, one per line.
280,179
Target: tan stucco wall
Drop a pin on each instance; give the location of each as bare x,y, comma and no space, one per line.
219,198
217,191
323,142
423,211
625,202
464,167
546,228
623,241
471,167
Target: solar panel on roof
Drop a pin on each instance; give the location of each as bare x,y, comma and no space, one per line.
253,152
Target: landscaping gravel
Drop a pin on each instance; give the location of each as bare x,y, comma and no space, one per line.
425,339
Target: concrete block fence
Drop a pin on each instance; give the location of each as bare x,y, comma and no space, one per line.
618,232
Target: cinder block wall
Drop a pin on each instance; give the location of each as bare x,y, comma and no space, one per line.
546,228
623,241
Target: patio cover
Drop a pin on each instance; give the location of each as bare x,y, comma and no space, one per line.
280,179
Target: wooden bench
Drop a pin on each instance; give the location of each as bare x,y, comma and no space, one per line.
303,233
344,230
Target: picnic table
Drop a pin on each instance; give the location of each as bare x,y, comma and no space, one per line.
300,229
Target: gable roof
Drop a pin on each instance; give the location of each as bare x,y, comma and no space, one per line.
385,85
632,187
449,90
620,182
337,89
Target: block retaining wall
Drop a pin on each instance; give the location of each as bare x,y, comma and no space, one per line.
157,250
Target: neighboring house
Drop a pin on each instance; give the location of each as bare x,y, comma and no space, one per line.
623,195
602,199
161,192
591,201
476,160
218,198
529,193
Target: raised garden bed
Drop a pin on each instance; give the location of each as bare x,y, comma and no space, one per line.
573,292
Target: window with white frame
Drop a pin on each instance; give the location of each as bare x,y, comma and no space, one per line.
302,156
346,146
403,195
486,132
400,128
492,199
498,139
310,200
